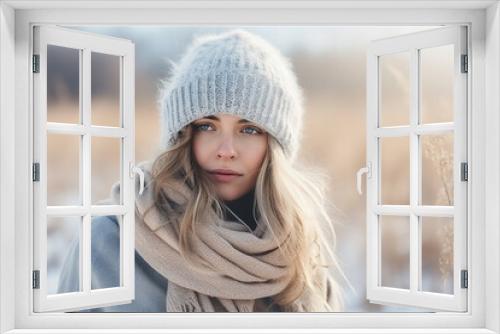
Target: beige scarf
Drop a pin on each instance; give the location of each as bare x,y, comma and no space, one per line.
243,267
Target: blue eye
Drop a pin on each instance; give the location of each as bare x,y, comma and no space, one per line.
257,131
200,126
207,126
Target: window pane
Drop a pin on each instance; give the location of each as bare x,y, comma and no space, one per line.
437,169
105,251
394,81
395,170
63,84
105,89
436,84
106,157
63,240
437,254
63,169
395,248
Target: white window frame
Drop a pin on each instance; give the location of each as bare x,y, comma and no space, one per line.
483,18
84,44
411,44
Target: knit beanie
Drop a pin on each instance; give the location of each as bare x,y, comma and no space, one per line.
238,73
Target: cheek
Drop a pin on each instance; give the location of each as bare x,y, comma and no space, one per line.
199,150
257,154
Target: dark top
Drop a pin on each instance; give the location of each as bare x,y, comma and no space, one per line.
243,208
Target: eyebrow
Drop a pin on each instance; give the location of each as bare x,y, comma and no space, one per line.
243,120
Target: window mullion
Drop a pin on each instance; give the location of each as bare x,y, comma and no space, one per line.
86,169
414,173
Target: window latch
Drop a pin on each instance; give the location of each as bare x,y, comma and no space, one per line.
136,170
365,170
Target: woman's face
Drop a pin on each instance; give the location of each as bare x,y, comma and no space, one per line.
230,150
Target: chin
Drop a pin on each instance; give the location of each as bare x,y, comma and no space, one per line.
229,194
228,197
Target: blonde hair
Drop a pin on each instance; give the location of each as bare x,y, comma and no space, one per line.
288,199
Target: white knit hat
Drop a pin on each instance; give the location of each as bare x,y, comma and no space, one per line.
238,73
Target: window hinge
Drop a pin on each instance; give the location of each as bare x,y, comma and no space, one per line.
36,171
36,63
36,279
465,279
464,175
465,64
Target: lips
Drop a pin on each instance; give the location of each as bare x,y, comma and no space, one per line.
225,172
224,175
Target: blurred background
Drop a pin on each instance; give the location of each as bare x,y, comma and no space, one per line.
330,63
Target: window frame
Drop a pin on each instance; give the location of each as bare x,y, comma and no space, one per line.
412,45
85,44
16,20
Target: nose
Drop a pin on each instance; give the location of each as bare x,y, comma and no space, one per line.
226,149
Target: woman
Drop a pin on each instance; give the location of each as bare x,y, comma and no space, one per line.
227,221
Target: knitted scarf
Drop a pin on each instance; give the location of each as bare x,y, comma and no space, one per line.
242,267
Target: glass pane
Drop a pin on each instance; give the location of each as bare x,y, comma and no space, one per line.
63,252
105,250
395,248
106,157
436,84
395,170
63,169
437,169
105,89
63,84
437,254
394,86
